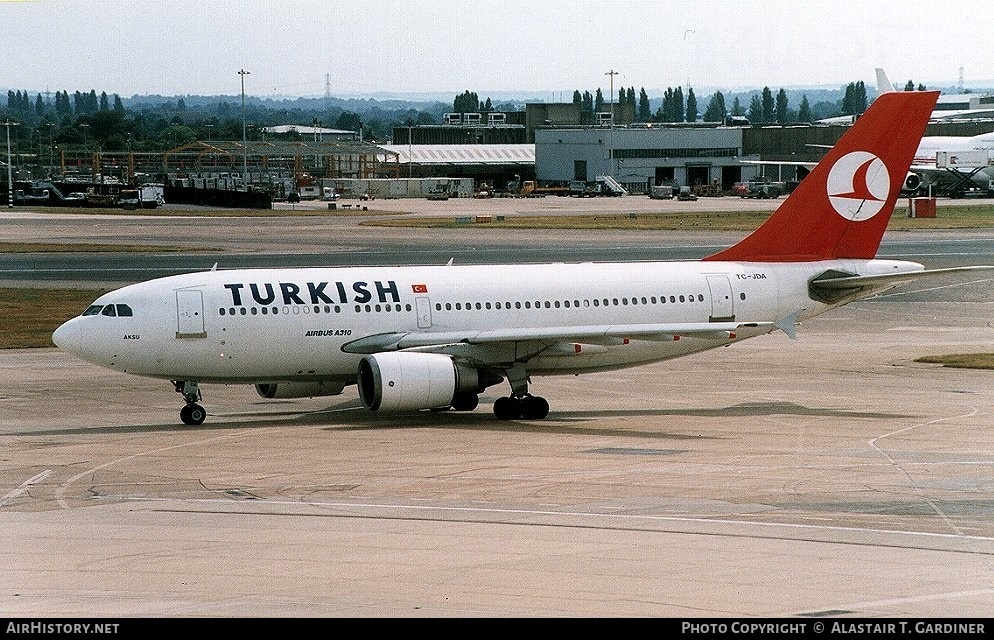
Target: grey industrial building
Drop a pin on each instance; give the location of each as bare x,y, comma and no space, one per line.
640,156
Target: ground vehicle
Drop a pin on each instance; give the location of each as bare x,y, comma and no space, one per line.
532,189
602,186
686,195
661,192
143,197
75,198
129,199
759,189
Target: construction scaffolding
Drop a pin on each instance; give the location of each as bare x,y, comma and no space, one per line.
295,159
291,160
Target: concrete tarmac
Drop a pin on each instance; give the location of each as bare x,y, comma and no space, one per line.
826,476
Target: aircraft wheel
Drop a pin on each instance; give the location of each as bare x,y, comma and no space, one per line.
465,401
193,414
534,408
507,408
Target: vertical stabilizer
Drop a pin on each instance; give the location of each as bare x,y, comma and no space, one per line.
883,82
841,208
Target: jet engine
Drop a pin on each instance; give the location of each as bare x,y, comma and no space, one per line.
407,381
283,390
911,182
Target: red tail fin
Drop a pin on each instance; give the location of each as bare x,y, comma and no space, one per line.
841,209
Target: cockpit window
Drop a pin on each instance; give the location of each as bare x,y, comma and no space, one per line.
109,310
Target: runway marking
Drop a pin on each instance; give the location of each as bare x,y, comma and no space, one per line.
25,486
923,598
60,493
585,514
907,476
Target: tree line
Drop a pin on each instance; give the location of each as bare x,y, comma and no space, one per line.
92,120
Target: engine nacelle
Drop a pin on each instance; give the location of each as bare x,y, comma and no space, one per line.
911,182
408,381
283,390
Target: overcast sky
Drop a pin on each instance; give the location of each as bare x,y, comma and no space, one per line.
179,47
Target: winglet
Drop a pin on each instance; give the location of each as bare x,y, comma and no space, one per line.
841,208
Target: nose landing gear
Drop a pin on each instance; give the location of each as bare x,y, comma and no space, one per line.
192,414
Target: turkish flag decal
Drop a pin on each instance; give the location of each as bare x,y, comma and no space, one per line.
419,288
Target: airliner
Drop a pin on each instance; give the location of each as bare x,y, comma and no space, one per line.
435,337
968,161
977,153
975,168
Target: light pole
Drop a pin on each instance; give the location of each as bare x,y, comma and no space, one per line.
244,73
83,126
10,172
51,147
410,157
610,154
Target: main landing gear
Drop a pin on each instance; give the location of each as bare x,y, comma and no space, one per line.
528,407
192,414
520,404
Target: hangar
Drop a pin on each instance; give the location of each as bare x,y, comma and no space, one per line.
495,164
639,156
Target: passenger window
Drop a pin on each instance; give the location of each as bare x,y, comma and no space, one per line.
109,311
93,310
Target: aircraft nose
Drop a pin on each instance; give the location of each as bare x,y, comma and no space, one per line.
67,336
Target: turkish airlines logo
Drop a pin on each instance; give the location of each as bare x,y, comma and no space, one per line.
858,185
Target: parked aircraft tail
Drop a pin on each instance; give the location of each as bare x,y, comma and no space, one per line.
841,209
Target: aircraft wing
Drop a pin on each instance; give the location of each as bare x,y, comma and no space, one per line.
593,334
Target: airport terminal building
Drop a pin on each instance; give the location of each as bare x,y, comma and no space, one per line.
642,155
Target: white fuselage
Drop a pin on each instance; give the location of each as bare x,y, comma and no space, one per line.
264,325
930,146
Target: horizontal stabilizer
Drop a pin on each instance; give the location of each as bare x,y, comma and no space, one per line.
833,286
855,281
